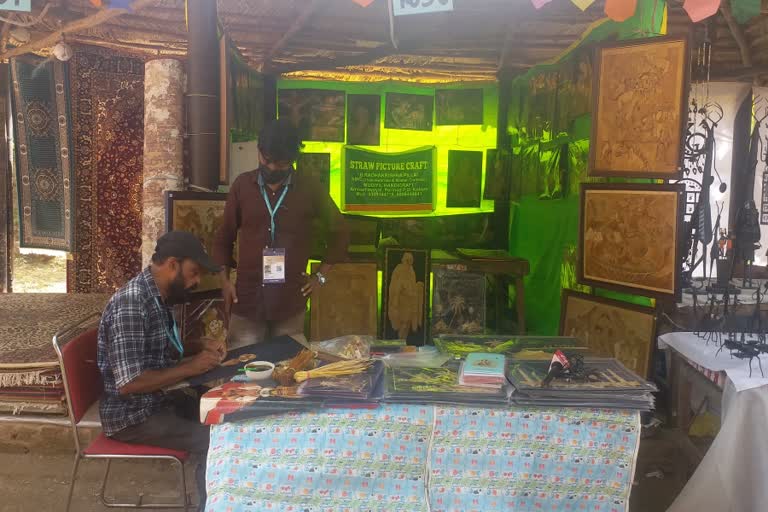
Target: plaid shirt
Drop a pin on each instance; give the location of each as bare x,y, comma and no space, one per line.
133,339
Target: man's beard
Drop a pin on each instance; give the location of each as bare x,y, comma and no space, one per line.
177,293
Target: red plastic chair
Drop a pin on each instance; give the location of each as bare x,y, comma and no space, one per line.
83,387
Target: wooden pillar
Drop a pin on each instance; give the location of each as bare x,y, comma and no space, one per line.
6,196
163,145
204,116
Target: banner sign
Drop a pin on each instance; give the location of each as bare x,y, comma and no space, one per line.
16,5
405,7
388,182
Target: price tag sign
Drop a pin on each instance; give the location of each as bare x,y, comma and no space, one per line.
406,7
16,5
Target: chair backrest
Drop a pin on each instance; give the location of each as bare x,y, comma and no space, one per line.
82,379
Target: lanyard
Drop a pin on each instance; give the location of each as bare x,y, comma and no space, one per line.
173,335
273,211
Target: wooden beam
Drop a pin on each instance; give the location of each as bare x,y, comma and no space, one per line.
297,25
73,27
329,64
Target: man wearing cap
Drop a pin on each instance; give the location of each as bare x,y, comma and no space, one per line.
270,212
140,353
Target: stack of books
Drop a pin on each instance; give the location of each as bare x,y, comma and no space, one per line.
484,370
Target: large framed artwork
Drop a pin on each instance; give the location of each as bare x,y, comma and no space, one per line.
465,177
318,114
640,108
201,213
610,328
458,301
405,288
409,111
347,303
459,106
363,119
629,238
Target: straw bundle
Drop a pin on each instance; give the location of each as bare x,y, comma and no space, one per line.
334,370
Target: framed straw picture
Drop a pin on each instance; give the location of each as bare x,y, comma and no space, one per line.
347,304
465,177
363,119
409,111
201,213
610,328
405,289
640,108
628,238
317,165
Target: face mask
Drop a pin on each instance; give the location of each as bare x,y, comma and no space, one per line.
273,177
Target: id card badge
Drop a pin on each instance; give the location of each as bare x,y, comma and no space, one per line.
274,266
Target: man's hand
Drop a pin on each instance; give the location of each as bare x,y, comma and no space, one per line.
229,295
312,284
216,346
203,362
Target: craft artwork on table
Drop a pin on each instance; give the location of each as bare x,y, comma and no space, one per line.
629,238
404,295
316,165
459,106
611,328
347,304
318,114
200,213
364,119
409,111
640,108
465,176
458,301
204,319
604,374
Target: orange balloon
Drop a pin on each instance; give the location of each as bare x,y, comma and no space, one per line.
620,10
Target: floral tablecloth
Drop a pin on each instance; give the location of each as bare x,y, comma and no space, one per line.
425,458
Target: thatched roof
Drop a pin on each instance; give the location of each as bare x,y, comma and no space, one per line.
338,38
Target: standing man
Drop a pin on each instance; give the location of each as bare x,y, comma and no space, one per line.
140,353
270,212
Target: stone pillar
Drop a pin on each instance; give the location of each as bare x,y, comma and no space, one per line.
163,145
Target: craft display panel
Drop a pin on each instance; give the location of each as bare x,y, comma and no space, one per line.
405,288
640,108
458,301
347,303
629,238
611,328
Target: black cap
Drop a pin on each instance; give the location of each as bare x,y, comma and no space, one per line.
184,245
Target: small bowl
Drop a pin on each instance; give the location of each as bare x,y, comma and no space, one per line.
259,370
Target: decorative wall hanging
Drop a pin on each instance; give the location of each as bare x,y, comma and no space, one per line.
363,119
201,213
41,122
498,175
628,238
459,106
409,112
640,108
317,165
388,182
108,135
405,288
465,176
347,304
458,301
610,328
318,114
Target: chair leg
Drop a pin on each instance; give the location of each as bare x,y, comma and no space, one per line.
185,501
72,479
104,484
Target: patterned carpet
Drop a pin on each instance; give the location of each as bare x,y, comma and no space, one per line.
108,131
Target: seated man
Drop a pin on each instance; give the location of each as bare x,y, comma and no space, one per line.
140,354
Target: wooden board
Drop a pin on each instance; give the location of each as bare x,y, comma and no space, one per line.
347,304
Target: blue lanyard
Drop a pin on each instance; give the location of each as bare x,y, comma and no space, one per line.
173,336
273,211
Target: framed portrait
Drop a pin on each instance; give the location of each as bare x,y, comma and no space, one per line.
611,328
458,106
200,213
409,111
498,175
347,303
458,301
465,178
364,119
317,165
629,238
318,114
640,108
405,289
